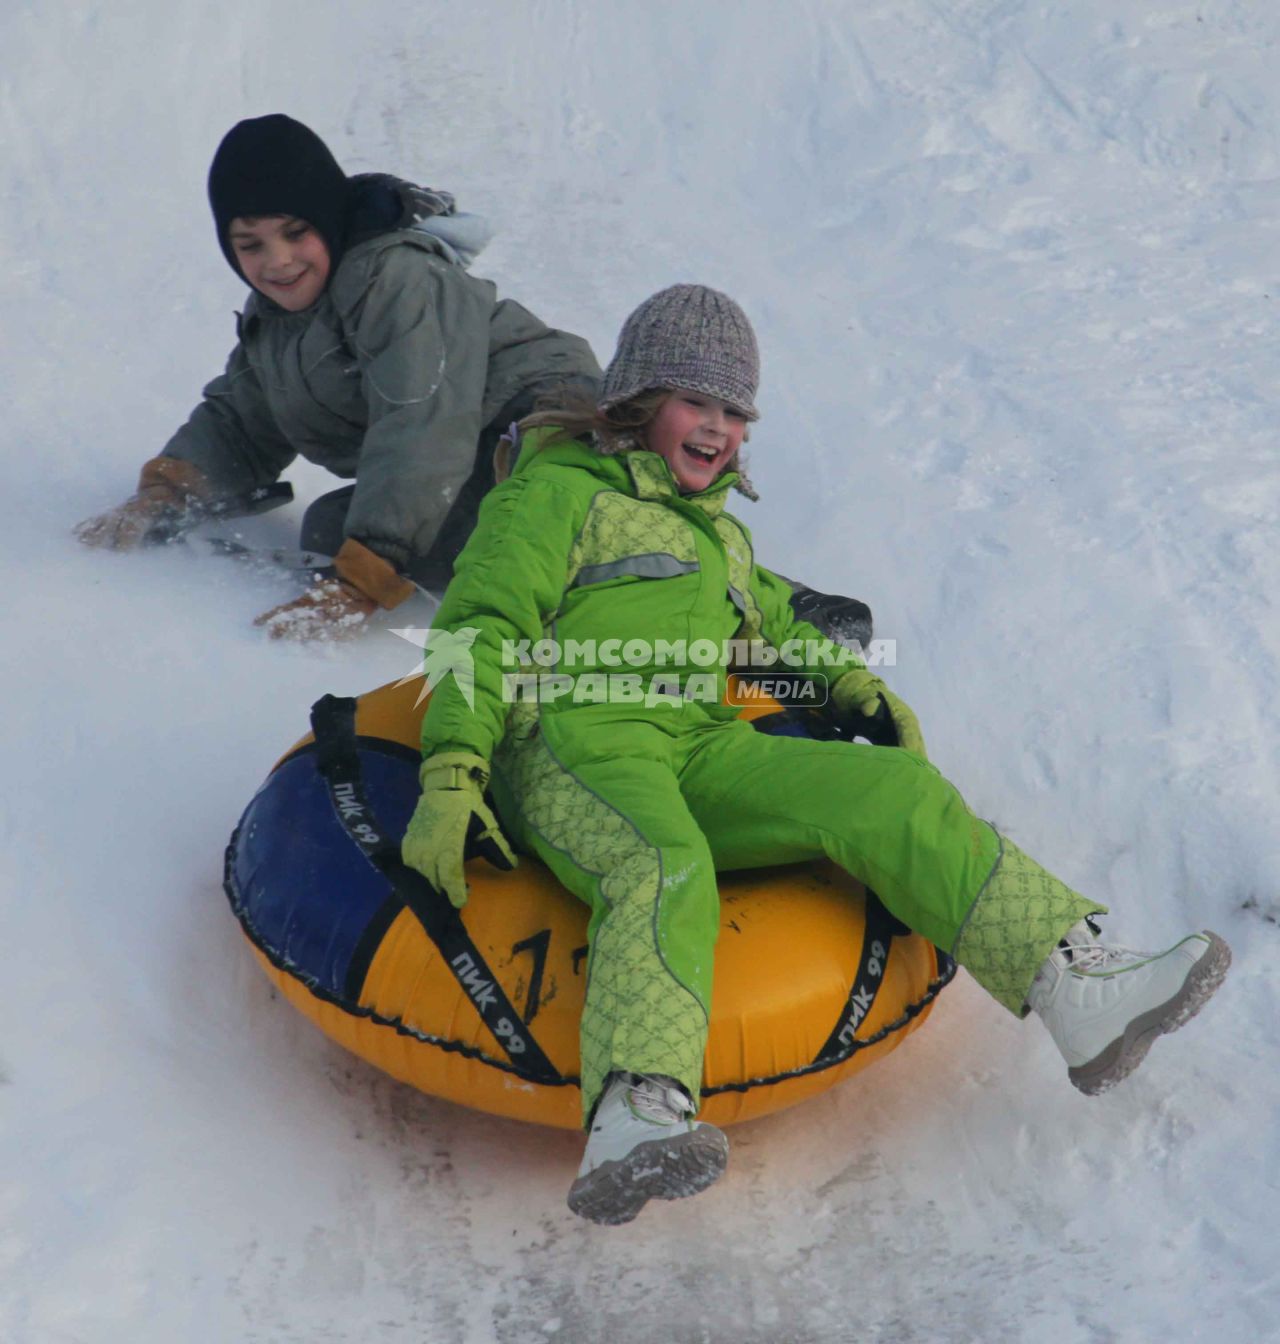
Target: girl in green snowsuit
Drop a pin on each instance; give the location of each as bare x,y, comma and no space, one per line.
636,783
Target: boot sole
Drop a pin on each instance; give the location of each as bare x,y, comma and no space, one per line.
662,1169
1126,1052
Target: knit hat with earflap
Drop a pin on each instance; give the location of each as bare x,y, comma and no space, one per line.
274,165
688,337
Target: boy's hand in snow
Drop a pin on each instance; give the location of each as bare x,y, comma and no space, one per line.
861,699
168,488
330,610
128,525
338,608
451,817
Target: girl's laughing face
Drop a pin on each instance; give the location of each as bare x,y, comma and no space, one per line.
697,436
281,257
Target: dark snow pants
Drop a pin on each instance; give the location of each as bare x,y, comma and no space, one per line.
324,523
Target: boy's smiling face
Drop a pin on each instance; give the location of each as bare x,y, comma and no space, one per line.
282,257
697,436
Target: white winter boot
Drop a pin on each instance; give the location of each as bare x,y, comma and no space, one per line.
644,1144
1104,1006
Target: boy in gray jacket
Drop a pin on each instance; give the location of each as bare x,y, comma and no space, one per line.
367,348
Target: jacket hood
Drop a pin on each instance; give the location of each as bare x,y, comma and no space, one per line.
382,203
379,205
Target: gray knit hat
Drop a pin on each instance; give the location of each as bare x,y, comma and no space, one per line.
688,337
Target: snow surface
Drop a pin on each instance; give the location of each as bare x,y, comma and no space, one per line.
1013,264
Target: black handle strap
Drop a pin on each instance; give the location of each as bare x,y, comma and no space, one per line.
261,499
333,720
876,939
878,728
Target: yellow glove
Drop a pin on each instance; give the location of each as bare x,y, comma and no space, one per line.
451,817
338,608
861,699
168,489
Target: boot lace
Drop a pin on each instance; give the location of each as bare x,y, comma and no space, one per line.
1094,957
658,1100
1080,951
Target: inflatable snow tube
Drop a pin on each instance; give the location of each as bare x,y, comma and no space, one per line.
813,981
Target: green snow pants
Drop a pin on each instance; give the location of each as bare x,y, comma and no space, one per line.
635,816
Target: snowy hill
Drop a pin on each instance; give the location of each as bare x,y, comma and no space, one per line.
1014,270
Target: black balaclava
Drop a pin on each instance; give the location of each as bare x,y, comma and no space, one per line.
276,166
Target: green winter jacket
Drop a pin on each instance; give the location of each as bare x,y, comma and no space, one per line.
605,557
389,378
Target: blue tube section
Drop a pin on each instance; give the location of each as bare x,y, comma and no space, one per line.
303,890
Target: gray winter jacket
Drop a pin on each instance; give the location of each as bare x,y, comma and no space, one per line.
388,378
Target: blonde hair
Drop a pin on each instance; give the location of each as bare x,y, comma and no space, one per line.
616,429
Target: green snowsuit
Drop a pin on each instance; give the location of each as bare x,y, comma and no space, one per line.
635,800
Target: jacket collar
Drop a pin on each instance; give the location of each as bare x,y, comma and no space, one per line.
638,472
652,479
258,309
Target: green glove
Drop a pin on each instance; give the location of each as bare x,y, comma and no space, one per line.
861,699
450,819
